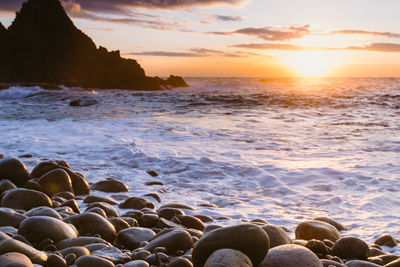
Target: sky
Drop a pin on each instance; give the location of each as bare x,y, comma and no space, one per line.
244,38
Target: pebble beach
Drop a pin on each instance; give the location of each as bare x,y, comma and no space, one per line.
52,217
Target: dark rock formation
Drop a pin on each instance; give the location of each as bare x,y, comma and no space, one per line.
42,45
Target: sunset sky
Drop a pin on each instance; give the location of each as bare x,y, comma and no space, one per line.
253,38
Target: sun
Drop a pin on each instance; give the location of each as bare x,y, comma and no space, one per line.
311,63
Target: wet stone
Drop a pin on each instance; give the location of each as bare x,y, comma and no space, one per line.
136,263
177,206
93,261
159,259
55,181
95,246
316,230
72,204
132,237
172,241
9,217
13,170
24,199
43,211
78,251
350,248
93,198
108,208
290,256
247,238
318,247
110,186
112,254
79,241
337,225
90,223
228,257
55,261
70,258
12,245
169,213
136,203
98,211
277,236
65,194
119,223
6,185
386,240
189,222
15,259
39,228
148,220
204,218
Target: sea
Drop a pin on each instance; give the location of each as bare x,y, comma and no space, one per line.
284,150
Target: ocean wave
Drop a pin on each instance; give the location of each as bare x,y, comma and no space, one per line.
16,92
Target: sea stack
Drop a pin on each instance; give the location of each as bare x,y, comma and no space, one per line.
42,45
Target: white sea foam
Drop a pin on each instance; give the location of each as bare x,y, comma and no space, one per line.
19,92
280,151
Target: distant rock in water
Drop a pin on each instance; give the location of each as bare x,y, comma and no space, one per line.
173,81
42,45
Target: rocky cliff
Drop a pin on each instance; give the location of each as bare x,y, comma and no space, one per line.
42,45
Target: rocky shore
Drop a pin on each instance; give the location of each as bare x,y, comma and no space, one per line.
53,217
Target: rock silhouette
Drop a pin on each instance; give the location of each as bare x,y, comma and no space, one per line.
42,45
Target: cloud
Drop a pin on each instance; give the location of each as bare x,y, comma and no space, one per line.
122,5
195,52
278,46
228,18
153,22
363,32
158,4
376,47
272,34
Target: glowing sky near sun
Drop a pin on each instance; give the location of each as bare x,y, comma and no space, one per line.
244,38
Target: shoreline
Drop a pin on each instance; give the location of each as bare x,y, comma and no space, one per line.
168,235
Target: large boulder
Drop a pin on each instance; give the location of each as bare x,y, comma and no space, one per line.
37,229
24,199
14,170
55,181
90,223
316,230
247,238
290,256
